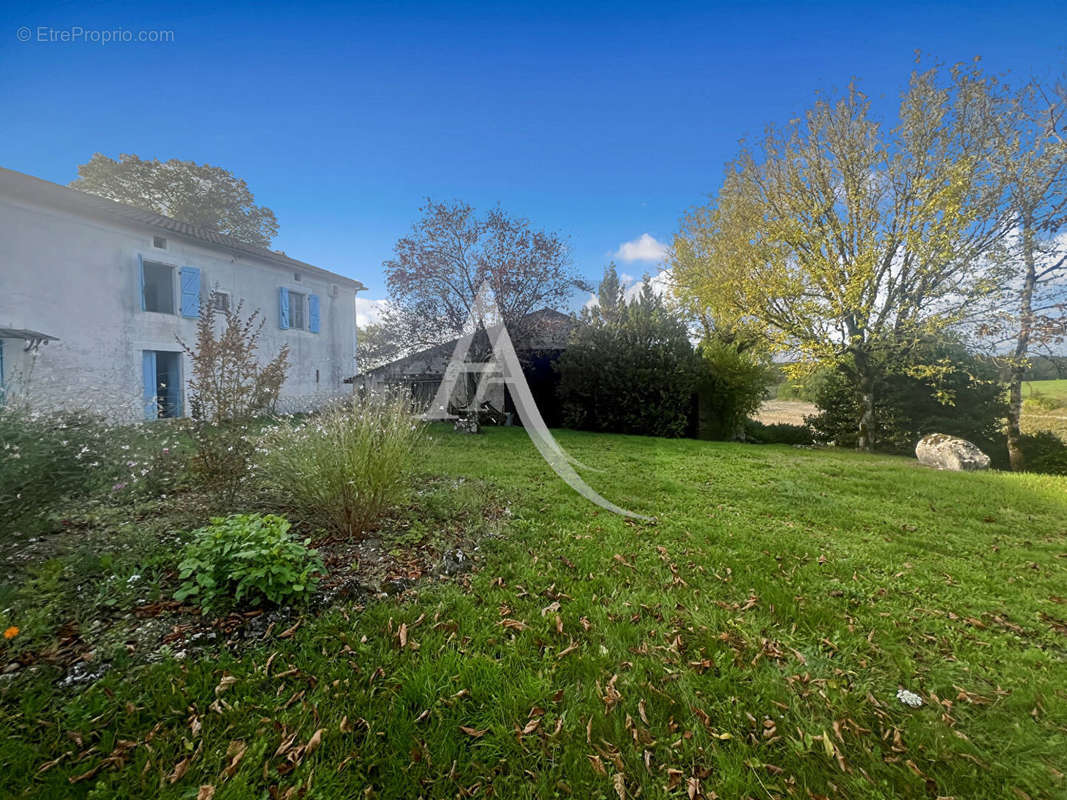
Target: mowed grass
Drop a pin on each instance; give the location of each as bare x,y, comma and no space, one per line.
1051,388
749,644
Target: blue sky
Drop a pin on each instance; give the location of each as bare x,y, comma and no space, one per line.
602,121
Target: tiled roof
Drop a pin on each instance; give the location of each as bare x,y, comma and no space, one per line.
26,187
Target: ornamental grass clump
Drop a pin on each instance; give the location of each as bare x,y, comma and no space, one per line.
346,466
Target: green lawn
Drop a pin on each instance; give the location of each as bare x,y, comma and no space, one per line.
750,644
1057,389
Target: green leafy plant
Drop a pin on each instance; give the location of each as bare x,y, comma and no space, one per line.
247,557
347,465
1044,452
733,385
629,368
778,433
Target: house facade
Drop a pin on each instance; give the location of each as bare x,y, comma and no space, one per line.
95,295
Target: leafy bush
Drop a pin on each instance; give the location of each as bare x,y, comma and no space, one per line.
1044,452
1039,401
247,556
778,433
228,388
630,371
347,465
732,386
936,387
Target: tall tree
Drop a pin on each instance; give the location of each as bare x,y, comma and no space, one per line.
837,234
1031,159
208,197
377,345
610,295
437,270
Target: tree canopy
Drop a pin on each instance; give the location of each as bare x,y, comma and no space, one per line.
437,270
838,234
199,194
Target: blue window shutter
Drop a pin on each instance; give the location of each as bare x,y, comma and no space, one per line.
313,313
283,308
148,370
190,282
140,272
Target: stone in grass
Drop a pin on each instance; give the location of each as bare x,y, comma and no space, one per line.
942,451
467,425
910,699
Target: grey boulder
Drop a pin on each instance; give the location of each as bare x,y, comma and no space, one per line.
942,451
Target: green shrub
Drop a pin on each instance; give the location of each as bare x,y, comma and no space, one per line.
732,386
778,433
1044,452
630,371
346,466
247,557
1039,401
960,396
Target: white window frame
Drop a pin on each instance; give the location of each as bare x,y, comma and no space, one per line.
303,310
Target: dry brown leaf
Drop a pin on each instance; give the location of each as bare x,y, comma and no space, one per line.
403,635
619,780
207,792
314,742
477,734
227,681
235,752
179,770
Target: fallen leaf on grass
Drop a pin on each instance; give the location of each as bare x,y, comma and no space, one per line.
474,732
619,780
179,770
235,752
224,684
207,792
314,742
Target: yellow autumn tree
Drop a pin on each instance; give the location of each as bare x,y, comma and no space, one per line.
838,234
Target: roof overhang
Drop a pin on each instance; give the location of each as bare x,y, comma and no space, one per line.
33,339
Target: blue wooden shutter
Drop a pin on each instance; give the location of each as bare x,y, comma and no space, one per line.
190,283
148,373
283,308
313,313
140,271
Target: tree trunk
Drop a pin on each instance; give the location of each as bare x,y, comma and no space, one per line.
865,441
1022,348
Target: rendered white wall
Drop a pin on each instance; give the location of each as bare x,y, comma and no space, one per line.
78,279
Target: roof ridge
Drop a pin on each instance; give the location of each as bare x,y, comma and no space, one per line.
136,214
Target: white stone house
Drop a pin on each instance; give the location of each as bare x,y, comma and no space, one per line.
95,294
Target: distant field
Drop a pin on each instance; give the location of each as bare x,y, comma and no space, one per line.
1056,389
793,412
1054,420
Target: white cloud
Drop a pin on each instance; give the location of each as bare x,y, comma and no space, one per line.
368,311
644,248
